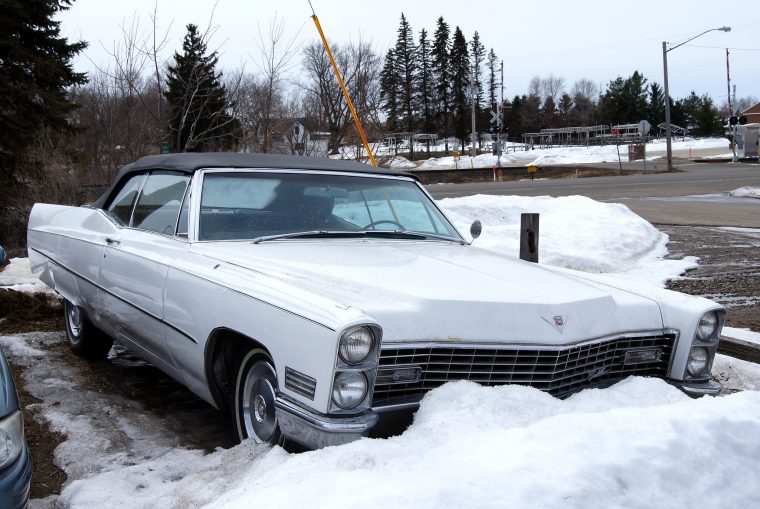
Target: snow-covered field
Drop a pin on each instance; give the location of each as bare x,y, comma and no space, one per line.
639,444
655,150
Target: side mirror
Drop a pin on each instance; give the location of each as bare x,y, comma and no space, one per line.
476,229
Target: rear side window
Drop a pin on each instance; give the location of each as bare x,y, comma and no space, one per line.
157,208
121,206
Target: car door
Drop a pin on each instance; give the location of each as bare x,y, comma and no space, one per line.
135,265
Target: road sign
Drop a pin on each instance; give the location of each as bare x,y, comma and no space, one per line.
532,169
644,128
455,154
495,117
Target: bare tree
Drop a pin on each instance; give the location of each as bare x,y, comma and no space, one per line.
552,86
360,66
274,63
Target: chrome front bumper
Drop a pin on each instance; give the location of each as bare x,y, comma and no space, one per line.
696,390
316,431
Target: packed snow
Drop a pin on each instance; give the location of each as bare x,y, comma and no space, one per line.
575,232
18,276
743,334
469,446
746,192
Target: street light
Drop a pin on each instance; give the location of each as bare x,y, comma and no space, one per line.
665,52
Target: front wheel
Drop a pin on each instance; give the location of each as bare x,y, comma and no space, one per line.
85,339
254,399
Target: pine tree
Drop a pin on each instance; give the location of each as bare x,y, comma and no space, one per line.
424,88
565,110
389,91
405,52
656,104
477,55
706,117
35,73
493,85
625,101
460,81
549,113
440,66
198,106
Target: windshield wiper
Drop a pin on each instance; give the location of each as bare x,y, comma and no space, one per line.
358,233
411,235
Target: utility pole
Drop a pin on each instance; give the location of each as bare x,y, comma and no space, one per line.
665,50
734,157
500,111
473,92
668,145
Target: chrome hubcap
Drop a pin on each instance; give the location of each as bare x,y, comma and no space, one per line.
259,417
75,320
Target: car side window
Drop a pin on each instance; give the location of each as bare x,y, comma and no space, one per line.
158,205
121,206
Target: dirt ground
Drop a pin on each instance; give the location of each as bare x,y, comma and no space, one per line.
728,272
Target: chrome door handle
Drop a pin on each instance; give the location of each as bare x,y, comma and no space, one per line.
112,242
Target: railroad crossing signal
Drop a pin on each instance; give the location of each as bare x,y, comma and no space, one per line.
496,116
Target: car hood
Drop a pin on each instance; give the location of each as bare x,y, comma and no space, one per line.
439,291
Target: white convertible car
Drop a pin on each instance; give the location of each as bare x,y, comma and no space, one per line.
316,298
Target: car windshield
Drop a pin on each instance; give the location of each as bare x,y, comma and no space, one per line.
252,205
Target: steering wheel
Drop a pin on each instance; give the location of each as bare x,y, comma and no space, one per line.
383,221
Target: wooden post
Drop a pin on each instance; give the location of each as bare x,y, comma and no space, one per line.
529,237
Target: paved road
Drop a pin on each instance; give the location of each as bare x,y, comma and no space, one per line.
638,191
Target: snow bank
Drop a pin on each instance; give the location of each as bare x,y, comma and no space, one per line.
400,163
18,276
576,233
746,192
743,334
636,444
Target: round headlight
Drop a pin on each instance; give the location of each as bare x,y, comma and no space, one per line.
349,389
356,344
707,326
698,361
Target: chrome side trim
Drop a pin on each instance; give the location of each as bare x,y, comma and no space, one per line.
121,299
315,431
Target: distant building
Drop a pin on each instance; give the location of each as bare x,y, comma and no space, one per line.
752,113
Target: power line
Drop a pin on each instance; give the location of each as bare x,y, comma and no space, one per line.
723,47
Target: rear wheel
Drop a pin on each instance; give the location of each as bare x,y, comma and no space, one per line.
85,339
254,399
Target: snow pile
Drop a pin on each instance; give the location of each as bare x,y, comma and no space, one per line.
637,442
18,276
399,163
575,232
746,192
736,374
743,334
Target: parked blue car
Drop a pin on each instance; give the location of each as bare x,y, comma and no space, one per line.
15,459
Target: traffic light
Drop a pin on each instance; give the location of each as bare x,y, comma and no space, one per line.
742,120
733,121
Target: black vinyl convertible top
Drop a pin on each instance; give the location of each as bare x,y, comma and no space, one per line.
190,162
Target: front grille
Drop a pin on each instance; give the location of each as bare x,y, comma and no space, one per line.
300,383
559,371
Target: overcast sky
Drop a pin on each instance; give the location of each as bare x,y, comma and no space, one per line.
593,39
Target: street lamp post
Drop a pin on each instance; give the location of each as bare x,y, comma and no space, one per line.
665,51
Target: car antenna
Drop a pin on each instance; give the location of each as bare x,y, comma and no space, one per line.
343,86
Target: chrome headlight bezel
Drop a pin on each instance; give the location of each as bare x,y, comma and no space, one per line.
359,338
347,377
708,327
11,438
699,362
